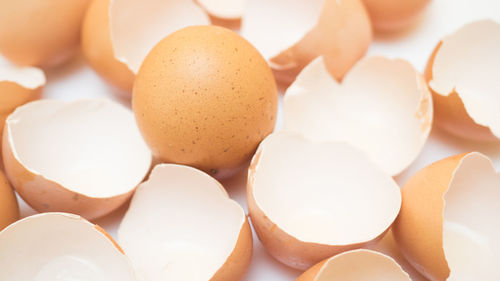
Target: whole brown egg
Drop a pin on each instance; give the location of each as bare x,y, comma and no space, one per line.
205,97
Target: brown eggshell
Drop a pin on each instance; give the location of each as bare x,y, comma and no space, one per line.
201,228
394,15
41,33
287,246
204,97
39,195
225,13
340,31
17,87
61,246
420,221
450,112
356,265
9,209
137,26
50,193
388,246
393,96
462,190
98,50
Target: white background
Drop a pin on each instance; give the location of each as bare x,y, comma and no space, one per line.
76,80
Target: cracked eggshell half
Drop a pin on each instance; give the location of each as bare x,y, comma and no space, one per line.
394,15
98,50
382,107
463,76
136,26
84,157
9,209
356,265
61,246
448,227
41,33
307,201
182,225
338,30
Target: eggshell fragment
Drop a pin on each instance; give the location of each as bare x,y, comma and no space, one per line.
83,157
137,25
307,201
61,246
181,225
463,76
388,246
394,15
224,9
9,209
383,107
356,265
291,33
18,85
448,225
98,50
41,33
206,98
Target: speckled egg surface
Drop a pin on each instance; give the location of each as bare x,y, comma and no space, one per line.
205,97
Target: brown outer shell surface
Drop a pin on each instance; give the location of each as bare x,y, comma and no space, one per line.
420,221
9,209
450,113
205,107
236,265
36,189
281,245
41,33
312,272
98,50
394,15
348,21
14,95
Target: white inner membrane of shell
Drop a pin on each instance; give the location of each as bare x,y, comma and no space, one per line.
260,27
27,77
382,107
362,265
92,147
181,225
226,9
136,26
471,226
59,246
328,193
468,62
